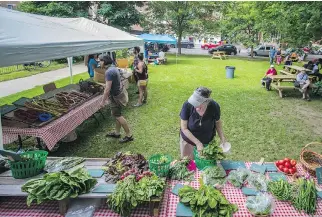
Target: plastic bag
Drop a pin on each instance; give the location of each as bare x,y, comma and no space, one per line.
238,177
83,207
214,176
261,204
258,181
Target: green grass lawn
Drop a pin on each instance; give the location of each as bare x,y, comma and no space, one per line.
10,73
257,122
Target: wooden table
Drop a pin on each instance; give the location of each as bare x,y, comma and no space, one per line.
219,54
276,83
11,187
294,70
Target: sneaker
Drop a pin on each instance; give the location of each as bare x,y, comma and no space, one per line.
126,139
301,90
137,105
144,101
113,135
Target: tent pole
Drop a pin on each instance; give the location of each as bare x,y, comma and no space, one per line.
177,56
1,139
70,66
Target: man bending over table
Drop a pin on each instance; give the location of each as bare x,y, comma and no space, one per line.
117,97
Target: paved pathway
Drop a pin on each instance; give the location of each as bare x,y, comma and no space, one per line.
17,85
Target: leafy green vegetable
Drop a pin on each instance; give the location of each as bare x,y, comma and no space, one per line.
63,164
58,186
238,177
163,159
206,201
258,181
129,193
179,171
212,152
260,204
214,175
123,162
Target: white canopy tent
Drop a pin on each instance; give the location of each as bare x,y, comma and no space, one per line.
26,38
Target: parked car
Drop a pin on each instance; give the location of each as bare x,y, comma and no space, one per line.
210,45
261,50
228,48
185,44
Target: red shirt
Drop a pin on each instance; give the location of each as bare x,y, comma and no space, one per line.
271,71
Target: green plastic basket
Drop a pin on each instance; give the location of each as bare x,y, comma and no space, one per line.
202,163
29,168
159,169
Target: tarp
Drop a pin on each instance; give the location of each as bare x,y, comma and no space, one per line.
158,38
28,38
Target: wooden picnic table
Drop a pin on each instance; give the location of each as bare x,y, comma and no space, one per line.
276,83
219,54
296,69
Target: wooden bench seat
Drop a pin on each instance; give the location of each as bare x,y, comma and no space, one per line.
285,72
280,88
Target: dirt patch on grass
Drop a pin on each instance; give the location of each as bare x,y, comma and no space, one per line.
310,117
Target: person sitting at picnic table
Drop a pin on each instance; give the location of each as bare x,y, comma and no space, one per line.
309,65
161,59
272,54
200,119
279,56
287,61
303,80
267,80
316,70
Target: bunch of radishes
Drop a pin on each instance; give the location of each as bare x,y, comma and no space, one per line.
137,174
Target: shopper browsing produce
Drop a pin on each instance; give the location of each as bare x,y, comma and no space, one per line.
200,119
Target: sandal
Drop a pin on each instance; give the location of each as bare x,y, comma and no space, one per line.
113,135
126,139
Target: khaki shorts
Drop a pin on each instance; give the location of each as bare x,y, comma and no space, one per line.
116,109
186,149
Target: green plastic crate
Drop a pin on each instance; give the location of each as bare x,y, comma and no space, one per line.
200,162
160,169
29,168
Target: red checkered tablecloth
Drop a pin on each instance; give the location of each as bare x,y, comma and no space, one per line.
16,206
58,129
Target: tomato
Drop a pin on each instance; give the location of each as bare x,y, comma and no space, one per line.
293,162
281,162
294,168
286,160
277,163
281,167
286,170
291,171
288,165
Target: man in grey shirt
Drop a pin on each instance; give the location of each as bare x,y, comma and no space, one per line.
117,98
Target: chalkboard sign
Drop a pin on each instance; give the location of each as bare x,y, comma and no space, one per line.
258,168
232,165
318,172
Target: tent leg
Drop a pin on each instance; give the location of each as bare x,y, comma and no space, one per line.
177,56
70,65
1,139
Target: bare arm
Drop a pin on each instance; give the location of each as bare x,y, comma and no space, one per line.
106,93
86,60
140,68
189,135
220,131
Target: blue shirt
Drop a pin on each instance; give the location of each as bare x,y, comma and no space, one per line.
203,128
90,68
272,52
302,77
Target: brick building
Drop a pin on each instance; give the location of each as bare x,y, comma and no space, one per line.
9,4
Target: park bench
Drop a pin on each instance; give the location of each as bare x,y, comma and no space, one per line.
280,88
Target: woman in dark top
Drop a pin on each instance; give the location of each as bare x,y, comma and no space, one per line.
141,72
200,119
136,52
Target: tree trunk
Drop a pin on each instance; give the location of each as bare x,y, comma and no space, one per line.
252,51
179,42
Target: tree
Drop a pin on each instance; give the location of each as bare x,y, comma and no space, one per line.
240,22
181,18
118,14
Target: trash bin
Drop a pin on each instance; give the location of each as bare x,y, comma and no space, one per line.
230,71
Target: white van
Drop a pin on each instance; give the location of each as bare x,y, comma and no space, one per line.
261,50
